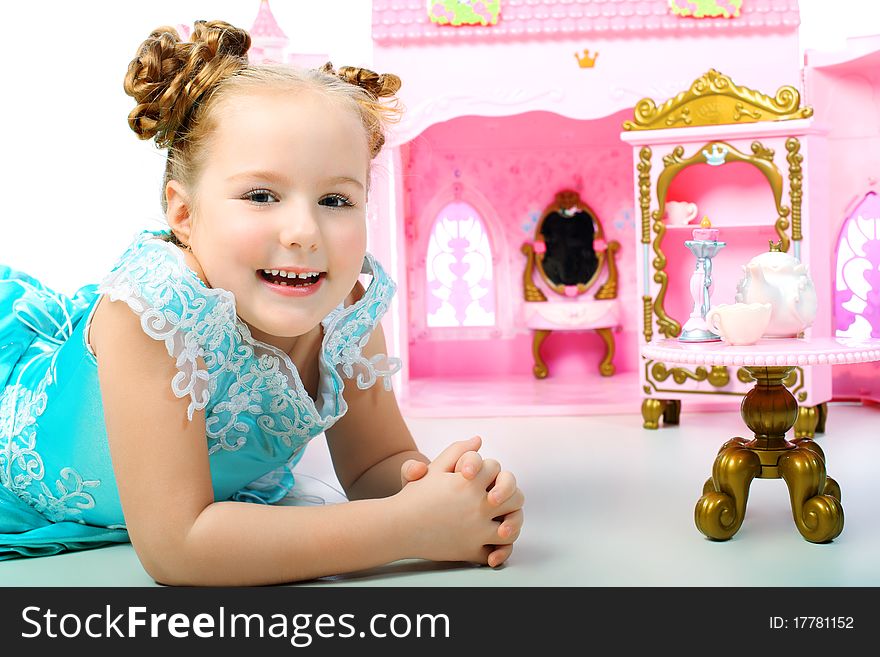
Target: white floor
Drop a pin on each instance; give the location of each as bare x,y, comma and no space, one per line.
608,504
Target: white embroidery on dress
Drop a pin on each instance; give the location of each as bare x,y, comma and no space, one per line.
347,341
21,468
259,383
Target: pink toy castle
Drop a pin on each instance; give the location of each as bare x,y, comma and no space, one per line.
269,42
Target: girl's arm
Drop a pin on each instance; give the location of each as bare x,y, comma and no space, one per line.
161,465
370,443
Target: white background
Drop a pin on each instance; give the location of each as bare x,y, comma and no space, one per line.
76,183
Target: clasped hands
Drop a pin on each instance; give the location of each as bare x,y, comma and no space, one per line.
477,510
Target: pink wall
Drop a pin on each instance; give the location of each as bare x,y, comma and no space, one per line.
844,90
515,165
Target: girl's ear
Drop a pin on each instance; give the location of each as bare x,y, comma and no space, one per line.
179,212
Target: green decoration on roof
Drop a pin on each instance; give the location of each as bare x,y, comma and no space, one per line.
464,12
706,8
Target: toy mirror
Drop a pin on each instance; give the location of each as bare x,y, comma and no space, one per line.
567,232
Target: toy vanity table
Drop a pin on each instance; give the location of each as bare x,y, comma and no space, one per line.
769,410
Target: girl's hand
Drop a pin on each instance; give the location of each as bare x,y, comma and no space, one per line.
461,456
449,518
503,494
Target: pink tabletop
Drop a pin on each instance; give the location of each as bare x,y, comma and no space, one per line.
768,351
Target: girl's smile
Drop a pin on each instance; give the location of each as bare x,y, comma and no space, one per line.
292,283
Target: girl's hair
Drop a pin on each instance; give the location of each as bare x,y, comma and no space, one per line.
178,84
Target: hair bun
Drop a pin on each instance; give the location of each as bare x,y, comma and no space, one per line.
221,38
380,85
168,76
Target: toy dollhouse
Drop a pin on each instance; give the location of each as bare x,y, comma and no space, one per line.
513,143
500,117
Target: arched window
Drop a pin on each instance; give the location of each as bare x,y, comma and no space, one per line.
460,286
857,289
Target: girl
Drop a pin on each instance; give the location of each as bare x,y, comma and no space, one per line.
167,405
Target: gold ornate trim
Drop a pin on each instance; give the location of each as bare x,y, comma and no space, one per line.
608,290
530,290
717,376
644,169
795,184
795,382
646,315
714,99
657,372
665,324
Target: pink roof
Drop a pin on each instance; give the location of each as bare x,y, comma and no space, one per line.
265,24
406,21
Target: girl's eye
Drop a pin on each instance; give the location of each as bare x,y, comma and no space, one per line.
260,197
336,201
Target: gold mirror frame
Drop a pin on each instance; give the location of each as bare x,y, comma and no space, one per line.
568,199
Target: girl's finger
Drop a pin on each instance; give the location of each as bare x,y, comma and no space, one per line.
510,527
489,472
513,503
505,486
499,555
469,464
412,470
447,459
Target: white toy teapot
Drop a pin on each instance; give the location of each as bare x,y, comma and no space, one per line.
782,281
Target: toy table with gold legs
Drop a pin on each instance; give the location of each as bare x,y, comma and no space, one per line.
769,411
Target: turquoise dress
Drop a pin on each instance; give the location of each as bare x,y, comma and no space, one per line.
57,488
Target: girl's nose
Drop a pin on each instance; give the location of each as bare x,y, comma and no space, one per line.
300,228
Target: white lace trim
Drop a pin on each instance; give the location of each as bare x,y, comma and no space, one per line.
154,287
21,467
195,321
346,343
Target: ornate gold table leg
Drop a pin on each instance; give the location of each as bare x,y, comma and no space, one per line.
807,422
719,513
815,498
823,415
831,486
606,367
540,368
770,410
672,411
652,409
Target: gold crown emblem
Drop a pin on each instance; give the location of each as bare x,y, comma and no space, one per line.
586,61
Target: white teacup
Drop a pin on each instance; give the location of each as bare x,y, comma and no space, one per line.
680,213
739,323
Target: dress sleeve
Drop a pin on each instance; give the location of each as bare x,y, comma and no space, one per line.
175,307
350,328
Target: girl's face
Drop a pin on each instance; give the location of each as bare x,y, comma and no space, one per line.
282,190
